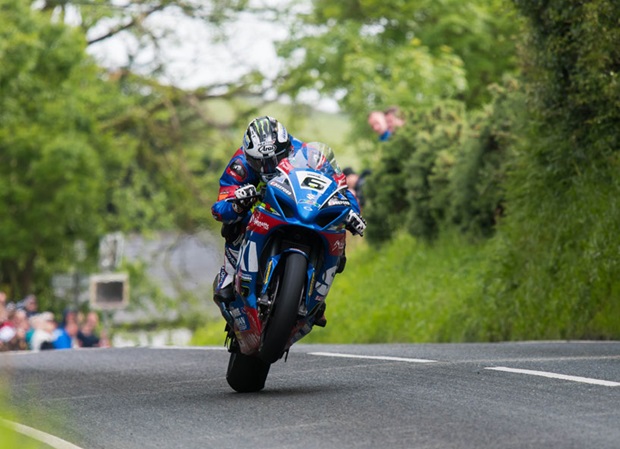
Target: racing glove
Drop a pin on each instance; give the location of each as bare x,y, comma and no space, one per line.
245,197
355,223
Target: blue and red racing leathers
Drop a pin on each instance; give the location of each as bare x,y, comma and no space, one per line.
236,174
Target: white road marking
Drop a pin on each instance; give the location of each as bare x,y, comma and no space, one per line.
46,438
372,357
199,348
586,380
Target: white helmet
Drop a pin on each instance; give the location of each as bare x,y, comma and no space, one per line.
265,144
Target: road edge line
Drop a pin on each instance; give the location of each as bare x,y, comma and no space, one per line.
43,437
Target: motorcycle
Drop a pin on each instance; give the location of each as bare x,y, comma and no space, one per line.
291,251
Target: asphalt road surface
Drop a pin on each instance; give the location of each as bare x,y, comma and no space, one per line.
506,395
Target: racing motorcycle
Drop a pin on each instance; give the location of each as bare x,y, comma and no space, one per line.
292,248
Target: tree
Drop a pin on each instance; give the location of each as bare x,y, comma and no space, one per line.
375,53
51,179
85,151
556,268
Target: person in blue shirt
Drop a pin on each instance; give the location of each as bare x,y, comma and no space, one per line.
378,123
65,336
266,143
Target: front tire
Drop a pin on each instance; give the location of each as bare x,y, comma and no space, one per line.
285,308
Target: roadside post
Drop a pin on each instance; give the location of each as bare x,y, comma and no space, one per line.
109,290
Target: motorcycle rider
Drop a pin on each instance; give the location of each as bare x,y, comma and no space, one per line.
265,144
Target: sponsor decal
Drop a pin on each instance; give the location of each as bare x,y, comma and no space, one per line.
282,134
267,150
241,324
333,201
249,337
226,192
237,171
257,223
322,286
336,241
268,271
337,246
261,222
252,315
312,283
285,166
282,187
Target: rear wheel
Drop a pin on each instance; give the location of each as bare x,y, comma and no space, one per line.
246,374
285,308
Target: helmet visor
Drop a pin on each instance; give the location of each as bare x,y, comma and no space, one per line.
270,163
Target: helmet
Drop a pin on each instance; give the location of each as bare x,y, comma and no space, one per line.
265,144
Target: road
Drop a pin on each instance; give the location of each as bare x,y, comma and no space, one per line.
566,395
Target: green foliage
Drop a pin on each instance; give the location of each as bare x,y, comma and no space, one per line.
477,180
555,272
445,167
556,264
49,162
405,291
373,53
405,189
83,153
575,90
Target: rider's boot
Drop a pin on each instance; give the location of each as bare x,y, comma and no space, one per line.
223,296
342,262
223,293
321,321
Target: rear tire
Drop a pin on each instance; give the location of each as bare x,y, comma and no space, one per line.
285,308
246,374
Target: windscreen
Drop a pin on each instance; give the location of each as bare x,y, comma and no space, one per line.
318,156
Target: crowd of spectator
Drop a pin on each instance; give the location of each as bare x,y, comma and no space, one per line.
23,327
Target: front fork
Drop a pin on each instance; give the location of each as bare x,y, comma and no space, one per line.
269,290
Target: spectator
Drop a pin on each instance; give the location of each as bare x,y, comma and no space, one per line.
355,183
22,326
378,123
65,337
43,335
394,118
12,332
87,335
30,305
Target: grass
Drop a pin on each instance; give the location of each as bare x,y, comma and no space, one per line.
403,292
9,437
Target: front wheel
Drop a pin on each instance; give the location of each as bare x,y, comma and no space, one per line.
285,308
